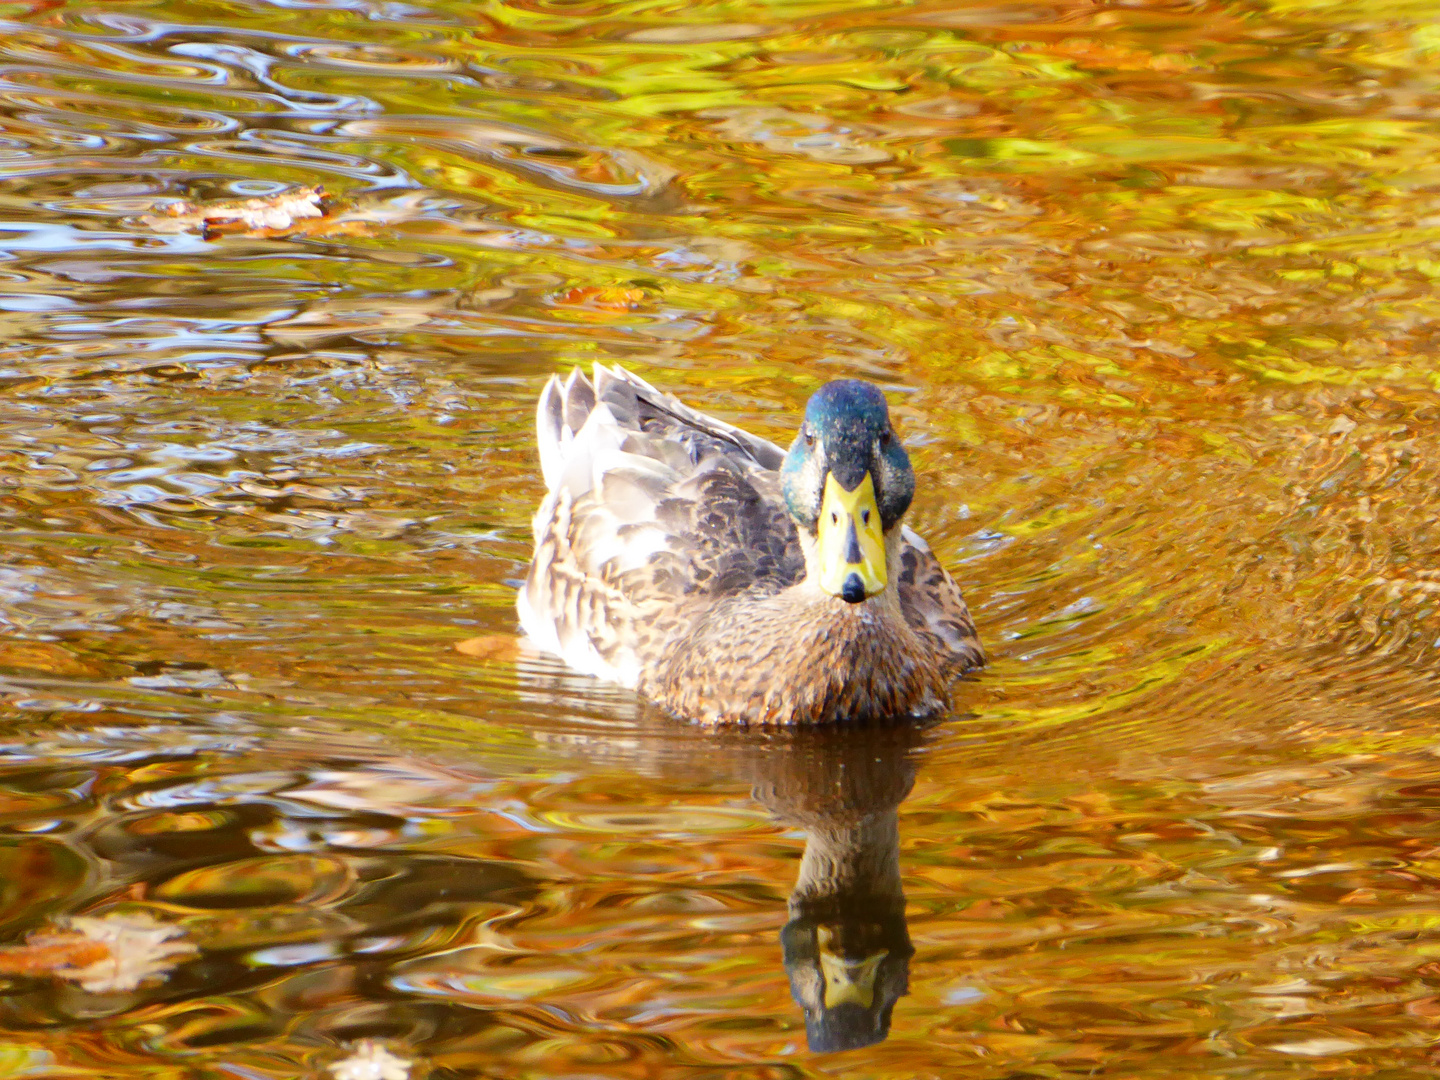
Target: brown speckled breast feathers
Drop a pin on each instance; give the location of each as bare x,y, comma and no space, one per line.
666,560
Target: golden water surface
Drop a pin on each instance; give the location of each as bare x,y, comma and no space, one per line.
1152,286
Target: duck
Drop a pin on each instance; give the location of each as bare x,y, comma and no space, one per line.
728,581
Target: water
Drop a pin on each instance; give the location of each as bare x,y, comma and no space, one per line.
1152,288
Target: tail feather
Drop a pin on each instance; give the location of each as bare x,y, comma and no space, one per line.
560,416
762,451
577,421
579,399
549,431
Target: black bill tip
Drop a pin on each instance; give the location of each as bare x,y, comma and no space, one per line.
853,591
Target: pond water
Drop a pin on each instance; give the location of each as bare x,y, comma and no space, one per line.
1152,288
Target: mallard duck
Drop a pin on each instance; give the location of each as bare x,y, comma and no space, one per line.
727,580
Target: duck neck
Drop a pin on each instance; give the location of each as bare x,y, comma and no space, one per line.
802,656
850,864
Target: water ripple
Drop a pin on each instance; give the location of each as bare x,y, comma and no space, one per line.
606,172
1150,288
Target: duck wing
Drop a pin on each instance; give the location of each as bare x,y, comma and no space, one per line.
934,607
654,510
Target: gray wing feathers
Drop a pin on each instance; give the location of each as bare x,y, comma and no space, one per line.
653,409
616,535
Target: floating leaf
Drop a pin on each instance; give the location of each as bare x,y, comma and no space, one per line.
268,215
104,954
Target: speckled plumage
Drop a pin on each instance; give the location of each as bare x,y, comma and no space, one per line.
666,560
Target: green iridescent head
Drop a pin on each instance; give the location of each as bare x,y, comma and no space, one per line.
847,482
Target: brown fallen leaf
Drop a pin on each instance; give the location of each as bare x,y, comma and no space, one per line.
44,954
1090,52
1359,896
268,215
503,648
104,954
604,298
1428,1008
309,212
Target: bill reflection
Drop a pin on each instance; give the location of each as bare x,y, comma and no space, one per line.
846,946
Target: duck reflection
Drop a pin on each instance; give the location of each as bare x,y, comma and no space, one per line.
846,946
286,880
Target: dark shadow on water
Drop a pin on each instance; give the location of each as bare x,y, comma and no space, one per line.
846,946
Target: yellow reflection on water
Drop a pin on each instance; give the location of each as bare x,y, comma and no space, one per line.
1151,288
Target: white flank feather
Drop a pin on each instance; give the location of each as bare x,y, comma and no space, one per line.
914,539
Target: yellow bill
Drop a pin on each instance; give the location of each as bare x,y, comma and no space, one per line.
848,982
852,544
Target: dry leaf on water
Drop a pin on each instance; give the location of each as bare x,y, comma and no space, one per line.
46,954
498,647
605,298
104,954
268,215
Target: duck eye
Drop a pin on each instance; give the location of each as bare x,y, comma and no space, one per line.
865,516
885,438
834,518
808,435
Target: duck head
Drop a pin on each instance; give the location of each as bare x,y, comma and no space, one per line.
847,482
